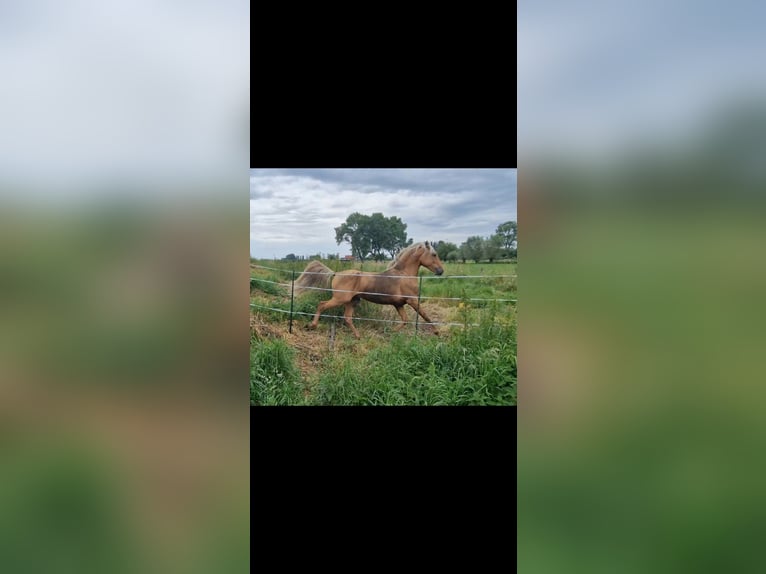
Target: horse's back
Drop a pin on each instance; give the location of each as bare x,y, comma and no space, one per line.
355,280
348,279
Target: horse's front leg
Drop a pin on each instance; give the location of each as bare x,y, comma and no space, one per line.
415,305
403,315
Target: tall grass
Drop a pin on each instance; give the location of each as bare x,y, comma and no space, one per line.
266,286
477,367
478,288
274,379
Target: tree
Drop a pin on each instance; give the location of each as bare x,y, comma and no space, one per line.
387,234
390,233
354,231
290,257
507,231
493,247
373,235
444,248
453,255
377,230
473,248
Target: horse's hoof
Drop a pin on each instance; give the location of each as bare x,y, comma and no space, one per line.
310,327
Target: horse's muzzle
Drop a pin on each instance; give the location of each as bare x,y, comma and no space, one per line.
439,271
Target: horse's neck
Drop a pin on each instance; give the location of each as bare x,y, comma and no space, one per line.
408,267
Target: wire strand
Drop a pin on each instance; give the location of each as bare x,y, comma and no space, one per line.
361,318
287,286
397,276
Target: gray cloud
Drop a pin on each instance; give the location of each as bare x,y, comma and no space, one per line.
296,211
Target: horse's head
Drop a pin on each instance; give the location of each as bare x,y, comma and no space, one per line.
430,259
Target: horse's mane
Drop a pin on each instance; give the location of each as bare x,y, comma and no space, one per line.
405,253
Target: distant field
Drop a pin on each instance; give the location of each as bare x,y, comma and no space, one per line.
472,361
468,268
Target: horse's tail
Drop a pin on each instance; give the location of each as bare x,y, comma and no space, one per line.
317,275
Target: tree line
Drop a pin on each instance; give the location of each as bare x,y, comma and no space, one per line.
375,236
502,244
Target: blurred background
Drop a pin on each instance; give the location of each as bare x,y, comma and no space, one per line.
123,343
642,147
123,162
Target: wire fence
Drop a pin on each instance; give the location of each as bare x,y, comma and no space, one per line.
397,276
289,285
419,296
364,318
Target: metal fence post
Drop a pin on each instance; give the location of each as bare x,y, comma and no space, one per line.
292,296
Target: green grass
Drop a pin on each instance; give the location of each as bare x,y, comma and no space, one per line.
258,284
476,368
274,378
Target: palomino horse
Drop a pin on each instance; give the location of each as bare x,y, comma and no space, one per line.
397,285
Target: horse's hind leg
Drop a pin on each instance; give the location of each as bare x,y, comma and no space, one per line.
323,306
348,316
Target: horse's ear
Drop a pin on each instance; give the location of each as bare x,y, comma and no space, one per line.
427,245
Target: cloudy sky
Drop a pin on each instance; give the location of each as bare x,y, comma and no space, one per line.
594,75
296,210
101,92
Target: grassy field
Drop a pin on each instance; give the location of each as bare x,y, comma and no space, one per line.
471,361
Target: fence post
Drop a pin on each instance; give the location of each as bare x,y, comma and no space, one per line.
417,315
292,296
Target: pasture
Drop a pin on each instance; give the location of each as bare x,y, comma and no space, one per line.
471,361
